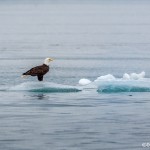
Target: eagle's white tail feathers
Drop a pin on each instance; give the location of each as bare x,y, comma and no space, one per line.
24,76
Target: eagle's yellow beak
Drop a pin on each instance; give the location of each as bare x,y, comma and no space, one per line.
50,59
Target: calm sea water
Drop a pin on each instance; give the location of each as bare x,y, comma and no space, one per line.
87,40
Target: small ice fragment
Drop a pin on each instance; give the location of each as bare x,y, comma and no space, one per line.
84,81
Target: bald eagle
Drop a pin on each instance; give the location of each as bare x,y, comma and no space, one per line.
39,71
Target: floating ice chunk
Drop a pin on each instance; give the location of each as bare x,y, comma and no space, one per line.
84,81
128,83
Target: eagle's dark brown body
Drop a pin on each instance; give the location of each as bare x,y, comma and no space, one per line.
38,71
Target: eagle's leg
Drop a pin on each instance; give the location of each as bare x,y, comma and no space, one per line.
40,77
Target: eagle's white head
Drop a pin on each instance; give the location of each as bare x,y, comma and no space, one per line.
47,61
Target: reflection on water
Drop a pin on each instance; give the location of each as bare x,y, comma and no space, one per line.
38,96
